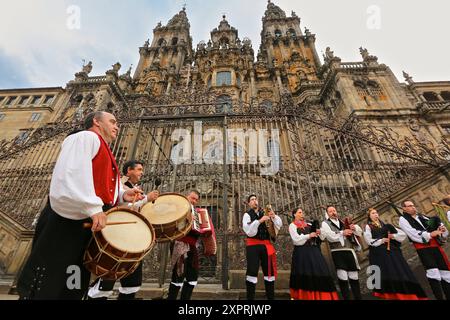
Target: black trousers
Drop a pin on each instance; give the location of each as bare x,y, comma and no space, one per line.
256,257
190,271
54,269
131,281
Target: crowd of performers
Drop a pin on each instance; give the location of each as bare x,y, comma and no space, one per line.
86,183
311,277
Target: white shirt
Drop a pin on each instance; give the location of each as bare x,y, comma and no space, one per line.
138,204
332,236
414,234
72,193
300,239
400,236
251,229
448,215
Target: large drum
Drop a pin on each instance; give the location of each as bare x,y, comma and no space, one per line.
117,250
170,215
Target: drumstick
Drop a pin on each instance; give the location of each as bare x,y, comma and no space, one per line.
88,225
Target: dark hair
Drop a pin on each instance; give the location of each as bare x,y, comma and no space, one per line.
130,165
404,203
89,120
328,207
369,221
250,196
294,212
195,191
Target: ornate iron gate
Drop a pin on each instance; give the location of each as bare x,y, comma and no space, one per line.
302,159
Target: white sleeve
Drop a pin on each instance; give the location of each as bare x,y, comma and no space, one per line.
448,215
72,189
297,239
332,236
414,234
277,222
400,236
369,240
250,228
358,231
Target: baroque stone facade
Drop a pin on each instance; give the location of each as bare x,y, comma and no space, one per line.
347,133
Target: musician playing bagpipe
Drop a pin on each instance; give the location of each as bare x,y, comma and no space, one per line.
427,234
310,276
185,255
259,249
344,239
398,282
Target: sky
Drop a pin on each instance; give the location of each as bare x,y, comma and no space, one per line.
43,42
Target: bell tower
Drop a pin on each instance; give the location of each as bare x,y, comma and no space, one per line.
162,59
287,50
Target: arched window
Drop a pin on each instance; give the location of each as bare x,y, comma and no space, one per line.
291,32
431,96
175,41
161,42
224,104
223,78
278,33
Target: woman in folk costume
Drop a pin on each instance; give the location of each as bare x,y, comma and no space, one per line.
397,280
310,277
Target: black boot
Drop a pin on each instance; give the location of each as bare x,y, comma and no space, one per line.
436,288
356,290
345,291
186,292
173,292
446,288
123,296
270,289
102,298
251,288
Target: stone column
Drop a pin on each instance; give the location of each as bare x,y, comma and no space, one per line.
253,85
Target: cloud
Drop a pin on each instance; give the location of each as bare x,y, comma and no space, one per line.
36,33
12,72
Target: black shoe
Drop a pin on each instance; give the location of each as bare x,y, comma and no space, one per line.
102,298
123,296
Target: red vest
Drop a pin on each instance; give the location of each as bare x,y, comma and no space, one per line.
105,173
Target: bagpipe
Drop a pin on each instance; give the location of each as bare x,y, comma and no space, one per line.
432,223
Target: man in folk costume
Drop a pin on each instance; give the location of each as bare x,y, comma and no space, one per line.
426,233
185,254
102,289
260,250
343,239
85,184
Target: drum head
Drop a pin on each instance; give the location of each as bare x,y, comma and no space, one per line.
135,238
166,209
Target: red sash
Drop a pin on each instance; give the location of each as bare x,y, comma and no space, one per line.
271,253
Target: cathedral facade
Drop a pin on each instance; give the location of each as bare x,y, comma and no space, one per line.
229,120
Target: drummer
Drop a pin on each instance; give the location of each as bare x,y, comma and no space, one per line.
85,184
185,260
132,174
